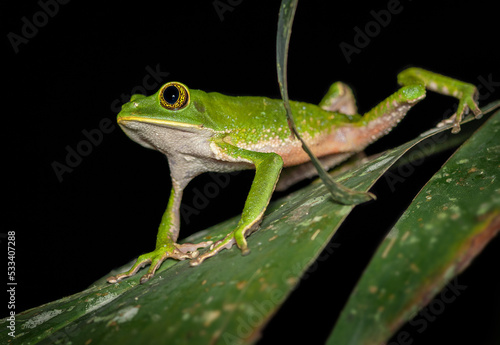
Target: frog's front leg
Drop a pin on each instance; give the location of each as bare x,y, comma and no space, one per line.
466,93
267,170
166,246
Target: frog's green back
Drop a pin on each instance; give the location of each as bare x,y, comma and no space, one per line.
263,116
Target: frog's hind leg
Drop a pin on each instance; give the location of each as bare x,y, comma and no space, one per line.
466,93
339,98
349,140
386,115
381,119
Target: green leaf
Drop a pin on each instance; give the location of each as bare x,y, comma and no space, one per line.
446,226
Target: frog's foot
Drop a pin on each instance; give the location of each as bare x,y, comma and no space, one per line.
226,243
156,258
466,102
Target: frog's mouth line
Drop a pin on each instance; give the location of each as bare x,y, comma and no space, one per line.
163,123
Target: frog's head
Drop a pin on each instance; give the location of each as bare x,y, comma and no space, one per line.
172,111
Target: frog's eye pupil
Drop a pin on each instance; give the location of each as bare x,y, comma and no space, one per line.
174,96
171,94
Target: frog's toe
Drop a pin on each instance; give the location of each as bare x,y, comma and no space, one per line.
466,102
142,261
218,246
155,264
472,105
463,109
155,258
448,121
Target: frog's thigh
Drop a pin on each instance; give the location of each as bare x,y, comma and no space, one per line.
292,175
339,98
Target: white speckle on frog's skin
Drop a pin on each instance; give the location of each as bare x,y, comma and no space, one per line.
41,318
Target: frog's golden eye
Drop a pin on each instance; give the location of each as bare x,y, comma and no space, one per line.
174,96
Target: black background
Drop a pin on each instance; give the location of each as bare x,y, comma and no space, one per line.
76,69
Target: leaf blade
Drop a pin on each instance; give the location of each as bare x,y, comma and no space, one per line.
447,225
217,303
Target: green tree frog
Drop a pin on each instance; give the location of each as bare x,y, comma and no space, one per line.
201,132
